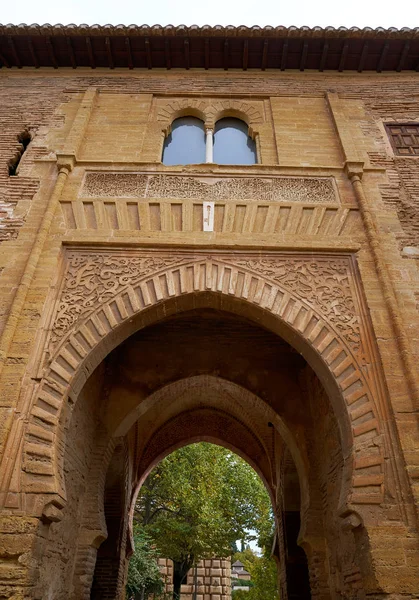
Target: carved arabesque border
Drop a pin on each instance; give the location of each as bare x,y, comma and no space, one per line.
308,190
313,295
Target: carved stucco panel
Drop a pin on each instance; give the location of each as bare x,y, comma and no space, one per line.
324,284
309,190
91,279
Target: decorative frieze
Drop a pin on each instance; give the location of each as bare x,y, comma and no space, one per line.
92,279
311,190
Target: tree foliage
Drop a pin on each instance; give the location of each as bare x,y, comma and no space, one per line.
198,501
264,577
144,576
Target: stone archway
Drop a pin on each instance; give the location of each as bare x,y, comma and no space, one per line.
313,302
200,408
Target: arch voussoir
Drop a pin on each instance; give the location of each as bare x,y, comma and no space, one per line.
210,111
277,287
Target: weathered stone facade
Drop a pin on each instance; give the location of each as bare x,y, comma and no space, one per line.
289,334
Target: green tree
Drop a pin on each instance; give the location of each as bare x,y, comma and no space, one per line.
197,502
264,577
144,576
247,556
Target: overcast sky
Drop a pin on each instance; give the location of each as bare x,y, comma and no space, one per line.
362,13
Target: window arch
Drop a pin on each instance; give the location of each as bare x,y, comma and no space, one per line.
232,143
185,144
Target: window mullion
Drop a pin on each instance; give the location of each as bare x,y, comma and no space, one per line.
209,145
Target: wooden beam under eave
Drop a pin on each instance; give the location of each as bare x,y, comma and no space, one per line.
187,54
4,61
90,52
303,59
33,53
167,54
109,52
343,56
207,53
284,55
245,54
323,59
71,53
14,51
383,57
148,53
129,53
51,52
226,54
265,55
403,56
363,57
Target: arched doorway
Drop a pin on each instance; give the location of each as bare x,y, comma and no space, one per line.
202,501
207,374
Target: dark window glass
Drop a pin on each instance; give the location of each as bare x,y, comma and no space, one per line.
232,144
186,143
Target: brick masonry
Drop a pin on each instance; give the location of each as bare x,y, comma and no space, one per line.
212,577
313,259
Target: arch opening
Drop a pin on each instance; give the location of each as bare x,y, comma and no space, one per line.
231,306
204,490
206,374
185,144
232,143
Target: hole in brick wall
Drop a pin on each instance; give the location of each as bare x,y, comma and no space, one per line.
24,140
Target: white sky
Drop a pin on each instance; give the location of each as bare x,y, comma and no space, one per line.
362,13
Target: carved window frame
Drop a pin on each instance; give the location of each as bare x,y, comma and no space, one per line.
210,111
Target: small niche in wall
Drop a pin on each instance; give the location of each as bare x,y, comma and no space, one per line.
24,140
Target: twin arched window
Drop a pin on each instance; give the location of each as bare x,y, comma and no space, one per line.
189,143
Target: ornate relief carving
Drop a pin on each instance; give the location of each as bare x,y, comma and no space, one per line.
91,279
109,185
322,283
102,289
274,189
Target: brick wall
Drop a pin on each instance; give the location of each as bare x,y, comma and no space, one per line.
303,134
